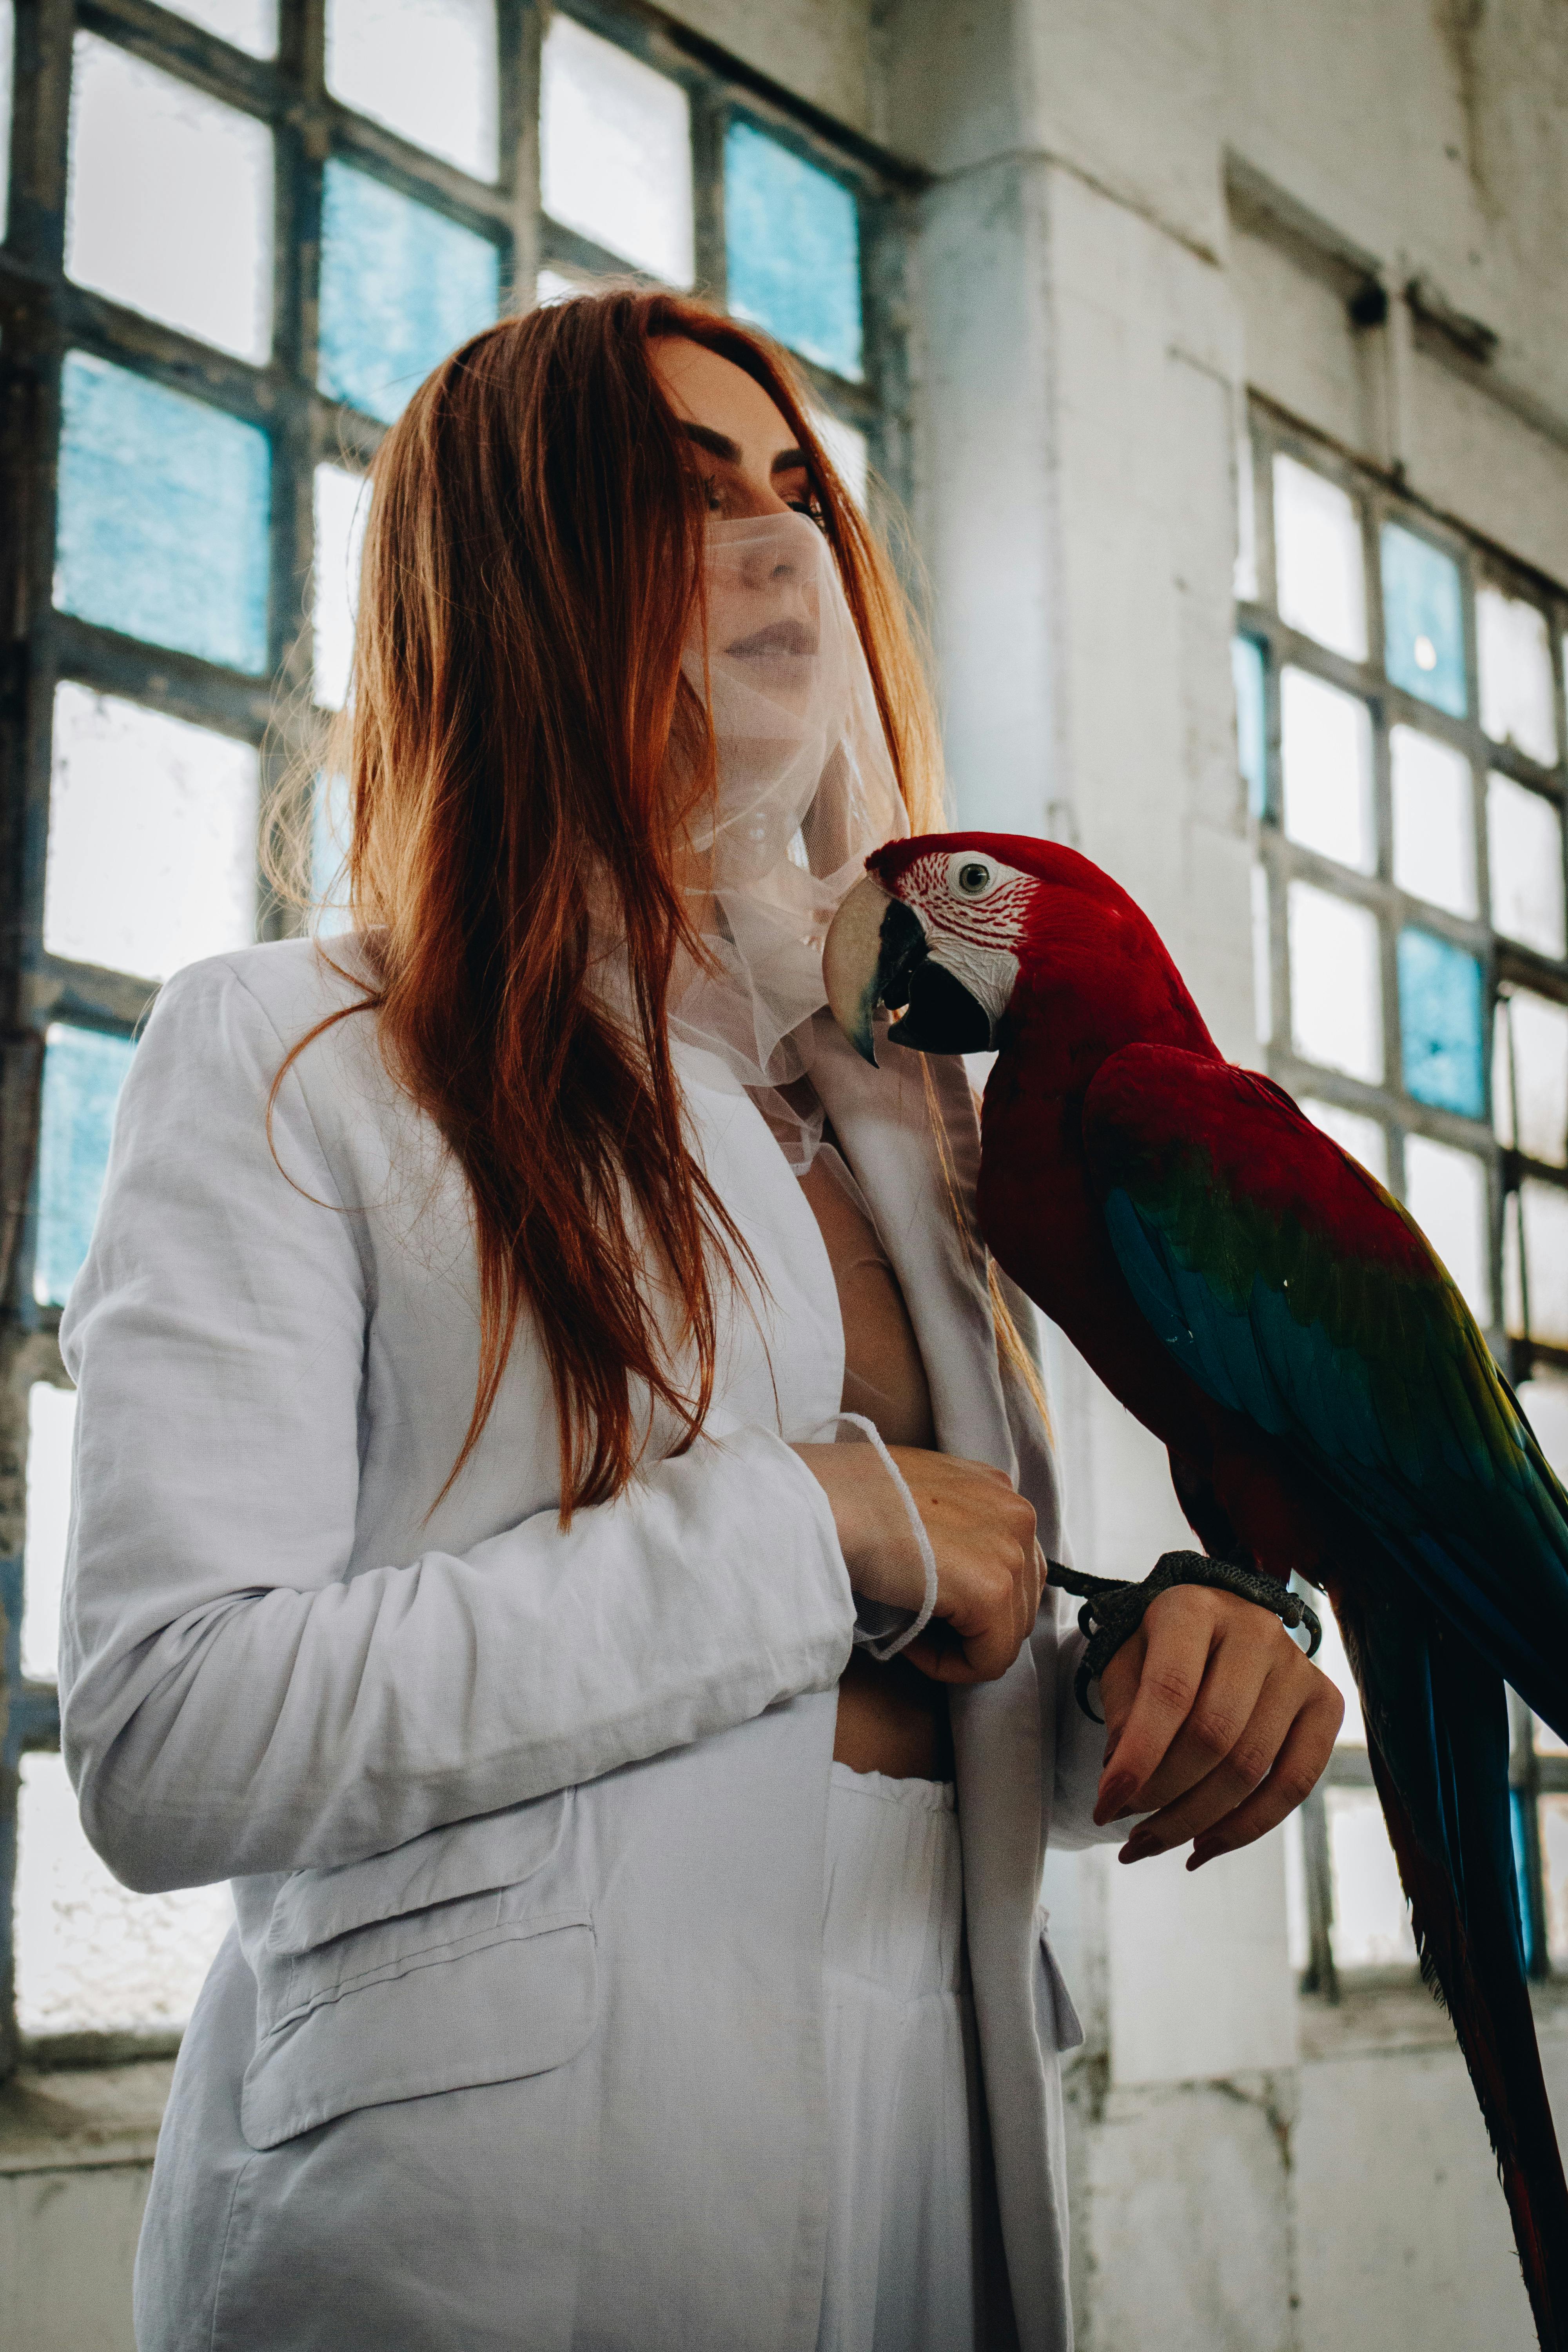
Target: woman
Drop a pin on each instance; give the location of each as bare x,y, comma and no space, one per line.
463,1562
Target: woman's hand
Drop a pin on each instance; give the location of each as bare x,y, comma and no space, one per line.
1217,1719
989,1570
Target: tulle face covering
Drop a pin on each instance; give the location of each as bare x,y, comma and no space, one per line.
805,790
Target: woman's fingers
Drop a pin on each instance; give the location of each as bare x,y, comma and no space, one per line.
1149,1690
1218,1733
982,1535
1245,1766
1298,1768
1220,1723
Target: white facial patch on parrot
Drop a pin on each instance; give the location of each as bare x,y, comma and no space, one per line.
973,909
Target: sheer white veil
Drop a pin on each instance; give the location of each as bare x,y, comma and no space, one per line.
805,788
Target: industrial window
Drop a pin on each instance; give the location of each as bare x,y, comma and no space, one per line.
236,234
1400,726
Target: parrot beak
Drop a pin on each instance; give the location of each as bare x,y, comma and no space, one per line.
870,942
876,952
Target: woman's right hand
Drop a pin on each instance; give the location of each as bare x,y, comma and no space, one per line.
989,1568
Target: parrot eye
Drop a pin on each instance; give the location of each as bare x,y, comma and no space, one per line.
969,877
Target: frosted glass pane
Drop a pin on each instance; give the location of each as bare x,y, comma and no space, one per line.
1325,741
1446,1192
1524,851
1529,1071
91,1956
1434,821
846,450
791,248
170,204
427,69
1544,1397
51,1425
8,59
1372,1920
400,286
1251,720
615,151
1297,1935
249,24
343,503
1262,958
1440,1023
1545,1214
1517,698
83,1073
152,838
163,516
1555,1872
1423,621
1362,1138
1244,573
331,833
1336,991
1318,559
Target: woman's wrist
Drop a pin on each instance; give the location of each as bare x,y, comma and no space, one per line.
874,1534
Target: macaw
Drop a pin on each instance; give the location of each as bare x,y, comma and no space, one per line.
1329,1408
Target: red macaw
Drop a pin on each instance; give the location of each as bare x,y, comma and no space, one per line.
1329,1405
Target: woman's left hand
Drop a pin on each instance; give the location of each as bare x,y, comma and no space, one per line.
1216,1720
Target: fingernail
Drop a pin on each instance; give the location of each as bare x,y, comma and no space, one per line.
1138,1847
1112,1798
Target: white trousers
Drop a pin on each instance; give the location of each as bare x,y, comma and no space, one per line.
903,2076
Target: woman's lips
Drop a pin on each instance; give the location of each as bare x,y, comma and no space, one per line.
792,639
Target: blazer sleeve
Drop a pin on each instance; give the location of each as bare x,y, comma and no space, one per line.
234,1701
1060,1644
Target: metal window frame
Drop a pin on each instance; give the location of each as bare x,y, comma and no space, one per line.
43,314
1273,431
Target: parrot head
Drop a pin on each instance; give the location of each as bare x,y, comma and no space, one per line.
962,930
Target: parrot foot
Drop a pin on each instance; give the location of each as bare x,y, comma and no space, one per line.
1113,1610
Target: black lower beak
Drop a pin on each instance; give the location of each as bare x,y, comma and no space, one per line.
876,954
942,1016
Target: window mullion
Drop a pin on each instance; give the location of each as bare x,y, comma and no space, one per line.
520,31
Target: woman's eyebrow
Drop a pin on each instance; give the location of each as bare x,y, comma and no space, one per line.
789,461
718,445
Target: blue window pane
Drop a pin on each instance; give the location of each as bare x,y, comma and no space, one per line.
400,286
1423,621
1251,720
1440,1023
163,511
83,1073
792,243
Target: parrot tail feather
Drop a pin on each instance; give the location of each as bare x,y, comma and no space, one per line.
1473,1964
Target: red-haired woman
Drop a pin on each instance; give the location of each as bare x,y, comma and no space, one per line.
464,1563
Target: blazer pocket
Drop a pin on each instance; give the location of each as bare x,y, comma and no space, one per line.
460,1959
1059,2018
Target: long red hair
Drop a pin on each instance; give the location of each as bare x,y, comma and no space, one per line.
520,742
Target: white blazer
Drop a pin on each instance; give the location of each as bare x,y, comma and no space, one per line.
518,2039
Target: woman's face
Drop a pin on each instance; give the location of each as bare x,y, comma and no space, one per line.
762,586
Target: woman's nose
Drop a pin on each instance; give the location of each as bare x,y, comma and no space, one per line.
767,569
